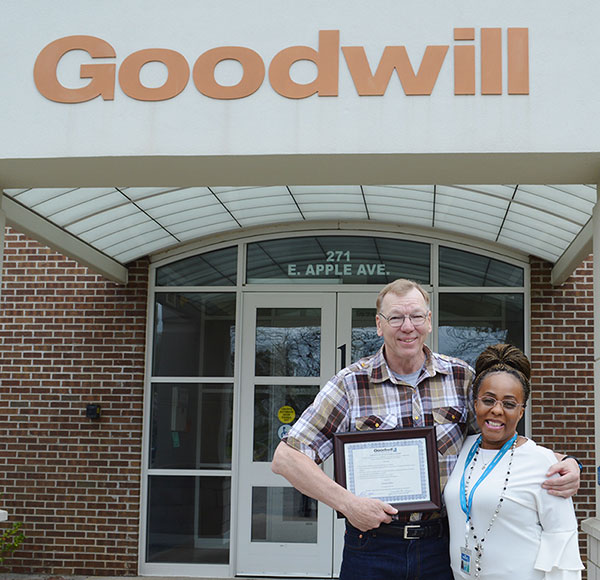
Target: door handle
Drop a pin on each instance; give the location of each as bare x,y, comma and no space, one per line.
342,350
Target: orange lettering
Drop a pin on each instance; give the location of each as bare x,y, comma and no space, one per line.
327,61
252,78
102,75
394,58
491,61
178,74
464,34
518,61
464,63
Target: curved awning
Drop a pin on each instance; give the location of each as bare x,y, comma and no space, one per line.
123,224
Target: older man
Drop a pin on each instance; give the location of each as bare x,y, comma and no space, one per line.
404,384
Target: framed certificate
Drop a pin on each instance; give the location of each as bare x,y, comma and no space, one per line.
397,466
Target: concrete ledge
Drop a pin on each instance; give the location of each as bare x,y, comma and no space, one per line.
591,526
299,169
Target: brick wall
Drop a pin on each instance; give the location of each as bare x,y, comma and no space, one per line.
67,338
562,356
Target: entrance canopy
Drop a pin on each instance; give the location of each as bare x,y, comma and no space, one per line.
106,228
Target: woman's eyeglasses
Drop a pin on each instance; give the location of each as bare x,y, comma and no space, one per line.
508,404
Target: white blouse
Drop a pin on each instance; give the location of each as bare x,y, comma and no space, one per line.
534,536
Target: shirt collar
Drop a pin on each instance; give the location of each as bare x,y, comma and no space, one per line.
435,364
380,371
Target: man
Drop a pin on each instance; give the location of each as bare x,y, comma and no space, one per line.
405,384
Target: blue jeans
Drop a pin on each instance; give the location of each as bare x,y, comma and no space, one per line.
373,556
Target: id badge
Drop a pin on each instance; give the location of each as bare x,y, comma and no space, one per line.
465,561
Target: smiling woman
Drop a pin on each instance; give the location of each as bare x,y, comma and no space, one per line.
496,490
500,389
499,409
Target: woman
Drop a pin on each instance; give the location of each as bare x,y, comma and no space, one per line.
503,525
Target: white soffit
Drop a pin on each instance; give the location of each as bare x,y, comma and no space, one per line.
124,224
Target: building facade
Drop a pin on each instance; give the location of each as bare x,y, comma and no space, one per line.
199,204
165,480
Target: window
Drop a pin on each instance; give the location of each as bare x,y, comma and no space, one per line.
217,268
467,323
460,268
337,259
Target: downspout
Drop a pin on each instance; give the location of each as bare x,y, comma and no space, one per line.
591,526
2,235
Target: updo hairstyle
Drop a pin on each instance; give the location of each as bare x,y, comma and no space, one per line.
503,358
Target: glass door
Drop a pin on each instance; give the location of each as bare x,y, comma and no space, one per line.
357,331
356,338
292,345
288,353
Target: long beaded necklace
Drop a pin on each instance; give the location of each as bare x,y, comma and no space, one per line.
478,547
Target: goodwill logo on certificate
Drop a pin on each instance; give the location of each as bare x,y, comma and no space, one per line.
394,473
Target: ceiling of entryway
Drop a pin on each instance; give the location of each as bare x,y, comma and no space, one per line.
123,224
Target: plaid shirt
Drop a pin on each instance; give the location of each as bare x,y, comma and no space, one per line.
366,395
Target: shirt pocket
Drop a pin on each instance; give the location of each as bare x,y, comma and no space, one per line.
372,422
450,426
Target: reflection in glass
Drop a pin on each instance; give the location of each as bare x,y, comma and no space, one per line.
271,422
283,514
342,259
470,322
193,334
191,426
218,268
459,268
188,519
365,341
288,342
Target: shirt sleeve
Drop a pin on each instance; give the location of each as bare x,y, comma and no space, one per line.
558,554
313,433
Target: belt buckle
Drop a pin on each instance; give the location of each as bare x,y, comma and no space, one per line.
408,527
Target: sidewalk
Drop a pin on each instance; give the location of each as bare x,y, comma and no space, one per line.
10,576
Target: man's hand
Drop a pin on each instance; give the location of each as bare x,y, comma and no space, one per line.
366,513
568,483
362,512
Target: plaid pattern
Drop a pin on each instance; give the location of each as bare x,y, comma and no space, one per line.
366,395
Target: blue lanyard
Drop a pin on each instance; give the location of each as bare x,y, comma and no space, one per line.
467,504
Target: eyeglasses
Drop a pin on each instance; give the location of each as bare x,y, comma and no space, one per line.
508,404
398,321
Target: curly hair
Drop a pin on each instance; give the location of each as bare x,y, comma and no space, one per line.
503,358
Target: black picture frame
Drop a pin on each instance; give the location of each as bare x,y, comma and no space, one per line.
384,439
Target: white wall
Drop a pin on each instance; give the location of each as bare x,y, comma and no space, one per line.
561,113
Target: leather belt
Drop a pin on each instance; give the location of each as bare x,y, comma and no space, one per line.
414,531
410,518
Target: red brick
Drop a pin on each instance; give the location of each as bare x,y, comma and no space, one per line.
67,336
